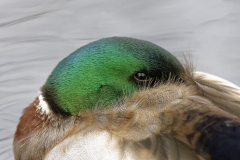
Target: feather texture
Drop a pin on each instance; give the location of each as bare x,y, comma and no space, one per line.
158,123
172,121
221,92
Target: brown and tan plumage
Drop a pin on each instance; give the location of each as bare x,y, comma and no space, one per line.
161,122
183,118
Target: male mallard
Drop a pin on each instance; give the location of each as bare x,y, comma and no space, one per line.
123,98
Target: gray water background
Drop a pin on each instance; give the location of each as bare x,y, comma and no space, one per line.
35,35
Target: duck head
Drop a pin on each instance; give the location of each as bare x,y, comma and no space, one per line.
103,71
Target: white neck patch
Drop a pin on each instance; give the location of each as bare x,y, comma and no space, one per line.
43,106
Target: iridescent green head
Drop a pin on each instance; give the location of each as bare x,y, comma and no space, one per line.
105,70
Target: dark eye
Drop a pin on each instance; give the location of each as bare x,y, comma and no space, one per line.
140,76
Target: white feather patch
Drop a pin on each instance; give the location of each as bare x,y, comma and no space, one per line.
93,145
43,106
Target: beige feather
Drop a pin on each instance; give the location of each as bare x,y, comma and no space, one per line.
221,92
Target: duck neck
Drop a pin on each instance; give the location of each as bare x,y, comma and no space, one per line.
39,129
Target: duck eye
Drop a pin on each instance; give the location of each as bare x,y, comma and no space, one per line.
140,76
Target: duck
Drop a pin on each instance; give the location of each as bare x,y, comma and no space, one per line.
123,98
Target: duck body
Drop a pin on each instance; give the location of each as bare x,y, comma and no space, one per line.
123,98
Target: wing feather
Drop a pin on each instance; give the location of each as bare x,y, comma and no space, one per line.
164,147
221,92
